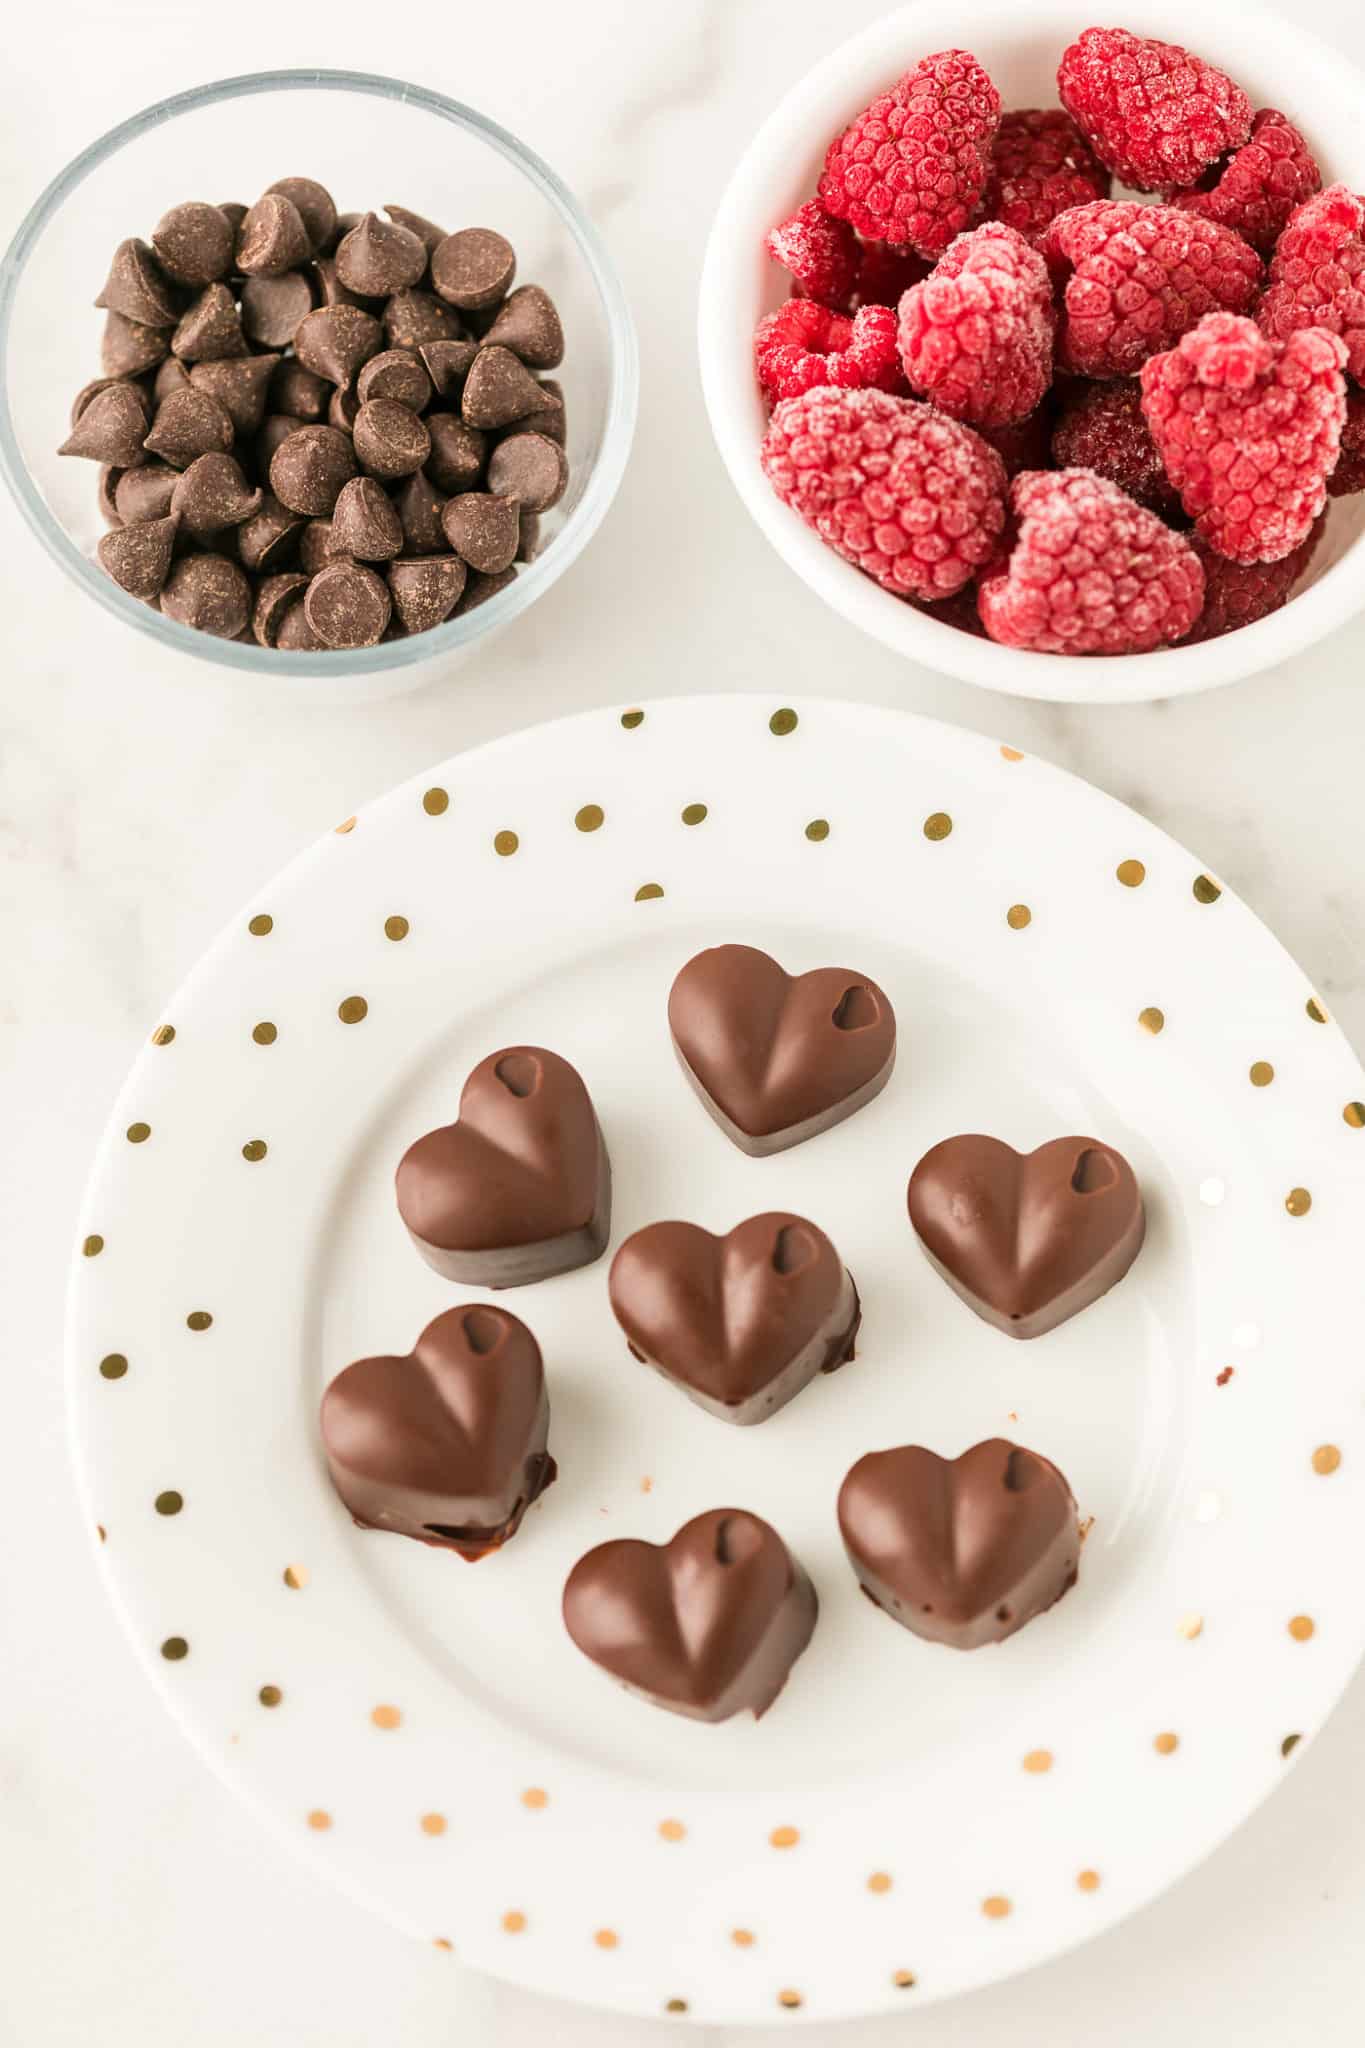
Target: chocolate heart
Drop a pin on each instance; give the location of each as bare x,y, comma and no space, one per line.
741,1323
1027,1239
960,1550
448,1444
519,1186
776,1057
707,1624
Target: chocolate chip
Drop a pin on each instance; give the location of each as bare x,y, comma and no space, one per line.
479,589
348,606
345,222
365,524
273,600
294,633
483,530
189,423
418,504
316,549
273,435
234,213
328,289
528,536
308,470
378,258
139,557
272,238
272,307
499,389
390,440
210,330
529,467
426,592
89,391
457,453
145,493
529,325
127,348
106,493
473,267
210,593
336,341
426,231
412,317
447,365
213,494
194,243
549,419
314,205
396,373
240,386
136,287
298,391
342,408
112,427
266,540
172,376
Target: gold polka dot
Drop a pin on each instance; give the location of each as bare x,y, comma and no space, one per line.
1131,873
1301,1627
254,1149
606,1937
1298,1201
693,814
1260,1073
174,1648
138,1134
396,928
672,1830
434,801
880,1881
353,1009
783,722
261,924
319,1820
505,843
1190,1626
264,1034
1205,889
170,1502
93,1246
164,1034
818,829
903,1979
346,825
535,1798
937,825
199,1319
1326,1458
590,818
1088,1880
785,1838
270,1695
1017,916
439,1941
676,2005
1038,1761
433,1823
296,1576
1010,754
1152,1020
648,892
996,1907
386,1717
1315,1010
1290,1744
1354,1115
741,1937
1166,1744
789,2000
114,1366
630,719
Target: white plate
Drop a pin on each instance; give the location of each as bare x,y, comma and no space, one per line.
554,1830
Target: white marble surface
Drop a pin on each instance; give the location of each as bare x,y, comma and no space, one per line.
143,798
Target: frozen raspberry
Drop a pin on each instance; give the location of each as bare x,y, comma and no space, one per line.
1041,164
821,253
886,273
1255,190
1249,430
1024,444
1155,114
803,344
1349,474
908,496
1137,277
1317,274
1236,594
912,167
1090,572
1102,428
976,336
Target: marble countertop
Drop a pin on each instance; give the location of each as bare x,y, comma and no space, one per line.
145,796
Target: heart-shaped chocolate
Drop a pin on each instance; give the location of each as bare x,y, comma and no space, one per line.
448,1444
777,1057
1027,1238
519,1186
741,1323
961,1550
707,1624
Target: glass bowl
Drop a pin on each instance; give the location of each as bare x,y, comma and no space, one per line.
437,158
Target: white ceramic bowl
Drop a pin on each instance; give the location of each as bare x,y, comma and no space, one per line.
1279,63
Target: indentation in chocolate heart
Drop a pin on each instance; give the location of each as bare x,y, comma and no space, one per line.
793,1249
1093,1172
1022,1470
483,1330
519,1073
738,1538
857,1010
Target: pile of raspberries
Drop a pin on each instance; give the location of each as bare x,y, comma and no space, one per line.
1072,423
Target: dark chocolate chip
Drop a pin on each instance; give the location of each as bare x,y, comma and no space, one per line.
210,330
189,423
294,632
266,540
390,441
127,348
412,317
379,257
529,325
480,588
213,494
308,470
172,376
208,592
365,524
342,408
89,391
528,536
194,243
483,530
276,431
499,389
112,427
396,373
345,222
137,288
348,606
426,592
549,419
139,557
240,386
447,364
418,504
336,341
530,467
457,453
273,599
272,238
426,231
272,307
299,392
146,492
316,550
106,493
328,290
473,268
314,205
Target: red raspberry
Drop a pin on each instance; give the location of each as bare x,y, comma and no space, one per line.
1249,430
803,345
1317,274
1155,114
1236,594
1255,190
1041,164
976,336
909,497
1139,277
1025,444
1102,428
1349,474
912,167
821,253
1091,572
886,273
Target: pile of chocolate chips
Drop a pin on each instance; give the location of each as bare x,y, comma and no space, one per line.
320,430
